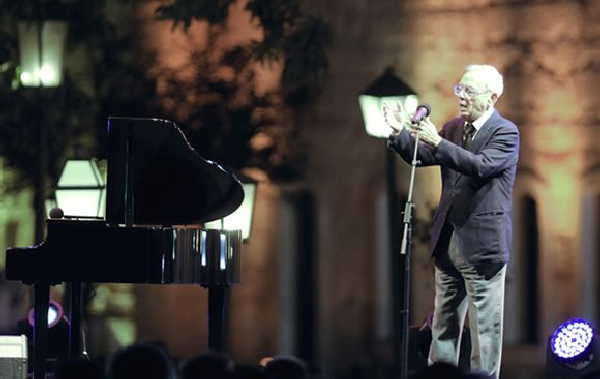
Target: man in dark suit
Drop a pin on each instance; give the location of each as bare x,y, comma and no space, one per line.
472,228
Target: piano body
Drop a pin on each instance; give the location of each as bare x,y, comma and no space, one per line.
159,190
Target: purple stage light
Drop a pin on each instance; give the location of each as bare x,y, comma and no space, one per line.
55,314
572,340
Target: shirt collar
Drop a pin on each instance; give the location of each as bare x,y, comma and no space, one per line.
483,119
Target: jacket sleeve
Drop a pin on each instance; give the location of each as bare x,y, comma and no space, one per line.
501,152
404,144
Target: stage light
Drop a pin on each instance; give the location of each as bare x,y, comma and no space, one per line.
572,340
572,351
55,314
58,331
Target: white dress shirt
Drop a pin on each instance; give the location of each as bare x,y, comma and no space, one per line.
477,124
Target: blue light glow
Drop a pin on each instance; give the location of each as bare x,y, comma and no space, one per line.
572,339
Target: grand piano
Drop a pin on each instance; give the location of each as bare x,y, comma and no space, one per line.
159,192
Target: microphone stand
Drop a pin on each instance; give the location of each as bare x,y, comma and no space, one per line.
405,250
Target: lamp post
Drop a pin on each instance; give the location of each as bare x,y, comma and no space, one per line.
80,192
41,46
218,297
388,88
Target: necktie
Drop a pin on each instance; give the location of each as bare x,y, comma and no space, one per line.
468,135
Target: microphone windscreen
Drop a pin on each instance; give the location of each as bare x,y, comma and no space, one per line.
422,111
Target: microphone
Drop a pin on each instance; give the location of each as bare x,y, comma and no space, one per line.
422,111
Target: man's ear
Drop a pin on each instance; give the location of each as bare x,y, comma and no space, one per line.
494,98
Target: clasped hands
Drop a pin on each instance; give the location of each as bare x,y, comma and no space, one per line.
397,118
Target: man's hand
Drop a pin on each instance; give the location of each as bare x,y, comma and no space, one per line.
395,116
427,132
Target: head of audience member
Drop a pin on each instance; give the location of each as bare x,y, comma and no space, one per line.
208,366
242,371
78,369
594,374
475,375
286,367
441,370
146,360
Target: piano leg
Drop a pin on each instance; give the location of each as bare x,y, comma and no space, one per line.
74,295
41,293
218,300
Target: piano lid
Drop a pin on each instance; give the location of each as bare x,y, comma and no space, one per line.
155,174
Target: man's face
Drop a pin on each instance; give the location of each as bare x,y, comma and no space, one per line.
474,98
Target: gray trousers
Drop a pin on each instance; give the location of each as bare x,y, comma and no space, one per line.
461,288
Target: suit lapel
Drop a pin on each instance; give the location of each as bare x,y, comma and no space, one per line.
481,136
483,133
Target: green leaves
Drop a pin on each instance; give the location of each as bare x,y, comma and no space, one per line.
305,60
65,114
224,118
185,11
299,38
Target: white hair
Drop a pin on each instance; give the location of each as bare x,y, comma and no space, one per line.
489,76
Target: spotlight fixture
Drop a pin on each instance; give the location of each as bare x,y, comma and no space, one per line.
572,351
58,332
572,340
55,314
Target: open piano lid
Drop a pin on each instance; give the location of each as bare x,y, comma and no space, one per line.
155,177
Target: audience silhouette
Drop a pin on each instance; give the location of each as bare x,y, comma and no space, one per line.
208,366
286,367
145,360
78,369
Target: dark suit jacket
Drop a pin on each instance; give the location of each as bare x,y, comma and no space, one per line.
477,186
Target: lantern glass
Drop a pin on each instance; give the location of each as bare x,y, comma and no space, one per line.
46,70
81,202
241,219
81,190
370,107
388,89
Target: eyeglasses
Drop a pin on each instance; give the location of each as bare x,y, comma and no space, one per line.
461,90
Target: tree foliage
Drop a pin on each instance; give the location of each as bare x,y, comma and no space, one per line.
74,117
290,33
219,127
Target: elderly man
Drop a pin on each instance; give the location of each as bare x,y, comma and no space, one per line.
472,229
